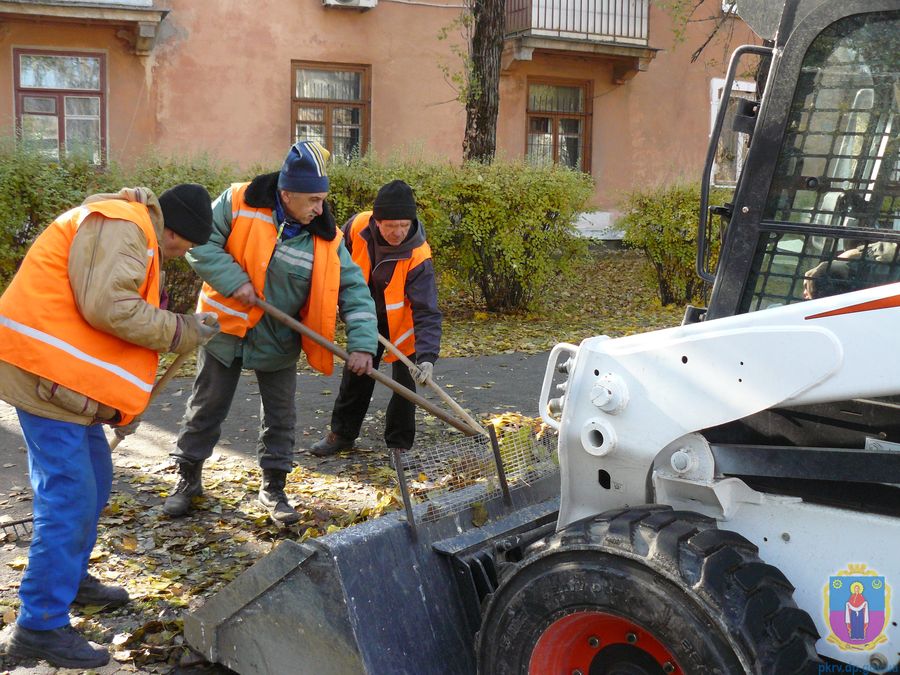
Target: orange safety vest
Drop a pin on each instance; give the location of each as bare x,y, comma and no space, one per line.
396,304
251,243
42,331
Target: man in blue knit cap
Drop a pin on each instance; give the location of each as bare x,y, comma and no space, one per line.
273,238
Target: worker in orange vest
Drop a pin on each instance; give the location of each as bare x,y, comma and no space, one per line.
81,325
388,243
273,238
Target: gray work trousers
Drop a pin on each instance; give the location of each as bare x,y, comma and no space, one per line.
210,401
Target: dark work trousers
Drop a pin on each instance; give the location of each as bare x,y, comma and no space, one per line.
353,403
210,401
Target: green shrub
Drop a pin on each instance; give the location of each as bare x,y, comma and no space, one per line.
500,232
662,222
159,173
33,192
512,230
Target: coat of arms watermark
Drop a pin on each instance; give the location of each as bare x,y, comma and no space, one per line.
857,608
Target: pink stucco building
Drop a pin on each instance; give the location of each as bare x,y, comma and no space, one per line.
600,85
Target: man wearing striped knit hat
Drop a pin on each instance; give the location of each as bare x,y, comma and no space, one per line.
273,238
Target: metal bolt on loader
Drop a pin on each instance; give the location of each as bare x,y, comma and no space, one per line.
728,491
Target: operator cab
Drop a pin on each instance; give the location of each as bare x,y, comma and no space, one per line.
816,212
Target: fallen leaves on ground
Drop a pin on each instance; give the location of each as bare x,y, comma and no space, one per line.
608,294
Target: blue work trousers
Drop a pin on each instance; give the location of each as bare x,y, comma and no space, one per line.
71,475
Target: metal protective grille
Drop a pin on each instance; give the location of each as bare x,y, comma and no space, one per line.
839,164
833,211
797,267
463,473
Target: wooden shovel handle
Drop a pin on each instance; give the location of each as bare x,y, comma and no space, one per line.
171,371
457,408
291,322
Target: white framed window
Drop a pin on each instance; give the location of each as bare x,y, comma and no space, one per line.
732,146
60,102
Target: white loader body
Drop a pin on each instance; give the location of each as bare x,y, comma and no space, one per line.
632,406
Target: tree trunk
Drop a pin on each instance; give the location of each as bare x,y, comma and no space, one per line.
483,97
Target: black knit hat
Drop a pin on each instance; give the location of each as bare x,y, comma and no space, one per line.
187,211
395,201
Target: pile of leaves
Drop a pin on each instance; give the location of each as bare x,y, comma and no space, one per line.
169,565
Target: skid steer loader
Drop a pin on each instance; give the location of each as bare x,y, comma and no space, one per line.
728,495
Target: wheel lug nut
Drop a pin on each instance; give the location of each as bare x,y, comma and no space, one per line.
593,642
631,637
668,667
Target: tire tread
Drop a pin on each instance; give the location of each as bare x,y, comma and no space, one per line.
722,567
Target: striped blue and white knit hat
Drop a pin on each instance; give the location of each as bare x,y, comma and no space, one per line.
304,168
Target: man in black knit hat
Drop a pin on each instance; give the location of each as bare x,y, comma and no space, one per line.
388,243
81,325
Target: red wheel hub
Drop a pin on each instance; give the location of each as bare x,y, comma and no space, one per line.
571,643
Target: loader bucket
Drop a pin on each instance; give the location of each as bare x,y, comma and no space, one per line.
370,599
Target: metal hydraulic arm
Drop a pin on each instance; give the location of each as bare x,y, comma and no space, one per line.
649,392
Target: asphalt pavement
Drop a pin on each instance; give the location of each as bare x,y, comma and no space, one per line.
484,386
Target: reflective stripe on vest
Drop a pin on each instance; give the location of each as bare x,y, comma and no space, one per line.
396,304
252,243
42,331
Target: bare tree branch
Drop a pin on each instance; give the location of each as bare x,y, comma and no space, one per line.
712,34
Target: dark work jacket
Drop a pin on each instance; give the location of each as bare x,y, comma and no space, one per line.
421,288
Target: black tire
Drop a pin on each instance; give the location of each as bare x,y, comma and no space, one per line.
701,593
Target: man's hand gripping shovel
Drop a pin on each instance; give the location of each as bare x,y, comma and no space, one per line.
291,322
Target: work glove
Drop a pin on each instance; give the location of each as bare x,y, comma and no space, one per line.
207,326
127,429
422,372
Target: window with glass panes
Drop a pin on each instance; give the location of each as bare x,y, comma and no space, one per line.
559,122
60,107
331,105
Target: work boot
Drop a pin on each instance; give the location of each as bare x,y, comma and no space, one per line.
330,444
92,592
189,485
271,495
62,647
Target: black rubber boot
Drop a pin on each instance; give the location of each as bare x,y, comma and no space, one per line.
330,444
190,485
92,592
271,496
62,647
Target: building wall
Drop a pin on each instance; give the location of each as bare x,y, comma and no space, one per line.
225,81
131,93
651,130
220,83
